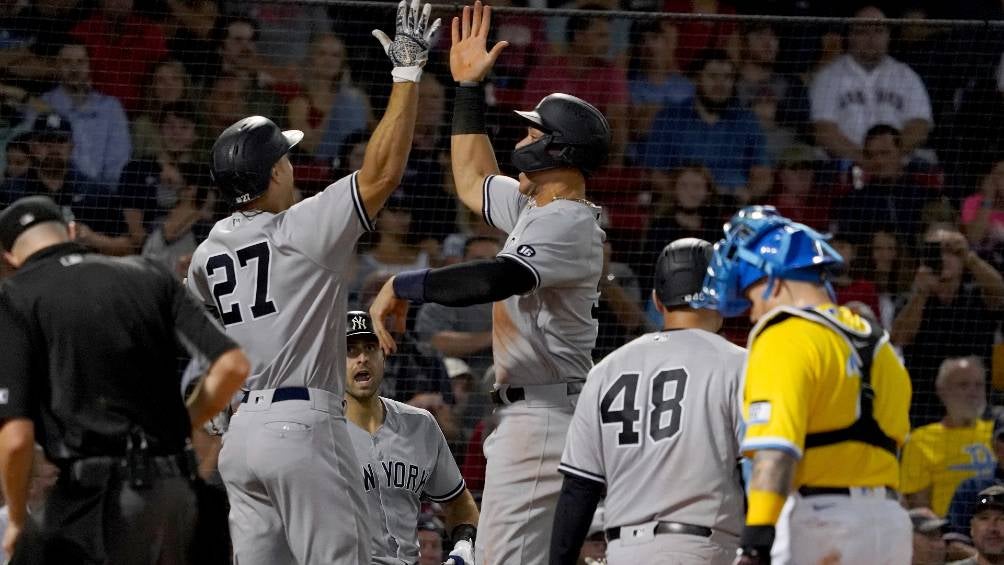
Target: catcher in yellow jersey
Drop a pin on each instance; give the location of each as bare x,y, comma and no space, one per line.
825,402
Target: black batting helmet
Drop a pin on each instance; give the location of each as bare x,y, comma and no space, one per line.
680,270
244,154
575,135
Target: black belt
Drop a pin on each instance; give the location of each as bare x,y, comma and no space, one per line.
891,494
511,394
284,393
667,528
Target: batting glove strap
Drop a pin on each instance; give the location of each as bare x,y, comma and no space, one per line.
462,554
413,37
756,542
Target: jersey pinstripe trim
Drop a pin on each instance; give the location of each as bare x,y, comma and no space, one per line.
778,443
521,261
357,199
581,473
457,491
486,212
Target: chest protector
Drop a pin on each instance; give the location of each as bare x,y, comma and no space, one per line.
863,344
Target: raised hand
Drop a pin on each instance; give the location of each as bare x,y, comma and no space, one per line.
413,37
469,59
388,305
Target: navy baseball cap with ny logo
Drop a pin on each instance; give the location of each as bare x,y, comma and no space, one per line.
359,323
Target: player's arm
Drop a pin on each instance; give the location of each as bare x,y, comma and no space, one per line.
471,152
576,505
462,515
389,146
17,451
771,480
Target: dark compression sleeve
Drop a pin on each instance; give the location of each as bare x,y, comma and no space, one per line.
576,506
477,282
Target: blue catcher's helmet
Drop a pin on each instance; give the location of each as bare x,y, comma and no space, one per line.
760,243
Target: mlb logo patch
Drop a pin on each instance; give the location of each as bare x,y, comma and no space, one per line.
526,251
759,413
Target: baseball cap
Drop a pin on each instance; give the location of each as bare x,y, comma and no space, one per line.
25,213
52,126
925,521
456,367
359,324
990,498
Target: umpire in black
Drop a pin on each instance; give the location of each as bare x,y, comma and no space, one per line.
88,369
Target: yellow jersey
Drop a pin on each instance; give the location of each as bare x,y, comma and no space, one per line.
940,458
804,377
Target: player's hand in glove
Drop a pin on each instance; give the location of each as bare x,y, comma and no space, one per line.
755,545
462,554
470,60
413,38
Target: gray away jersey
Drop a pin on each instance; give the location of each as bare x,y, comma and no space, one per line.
658,423
279,282
546,336
405,460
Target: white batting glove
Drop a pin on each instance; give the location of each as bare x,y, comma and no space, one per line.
462,554
413,38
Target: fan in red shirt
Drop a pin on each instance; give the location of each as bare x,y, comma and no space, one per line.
123,47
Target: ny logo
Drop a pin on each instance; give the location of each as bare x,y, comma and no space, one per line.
359,323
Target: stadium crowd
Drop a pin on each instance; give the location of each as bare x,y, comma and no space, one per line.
885,135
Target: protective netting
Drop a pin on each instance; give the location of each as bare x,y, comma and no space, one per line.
886,134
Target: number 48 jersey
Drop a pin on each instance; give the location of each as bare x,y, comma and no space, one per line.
658,423
280,282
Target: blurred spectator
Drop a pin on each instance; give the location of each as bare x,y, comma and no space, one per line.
430,540
189,27
654,77
328,108
888,271
796,194
966,496
684,207
759,80
888,195
937,457
287,28
177,233
764,106
525,34
152,186
101,144
929,547
237,57
954,308
17,160
434,204
471,226
585,72
464,332
443,413
619,314
851,285
122,47
224,103
167,83
983,216
395,250
712,129
867,87
52,174
696,35
470,401
987,528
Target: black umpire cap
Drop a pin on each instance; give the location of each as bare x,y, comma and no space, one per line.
359,324
680,270
25,213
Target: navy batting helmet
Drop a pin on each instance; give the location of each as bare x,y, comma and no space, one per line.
244,154
575,135
680,271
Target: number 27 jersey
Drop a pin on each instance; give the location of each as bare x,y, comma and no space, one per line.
658,423
280,282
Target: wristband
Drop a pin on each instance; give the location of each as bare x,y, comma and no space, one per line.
764,508
756,541
469,110
410,285
464,532
407,74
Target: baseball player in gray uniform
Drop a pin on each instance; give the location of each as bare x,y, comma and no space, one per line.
657,426
275,272
404,458
543,282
